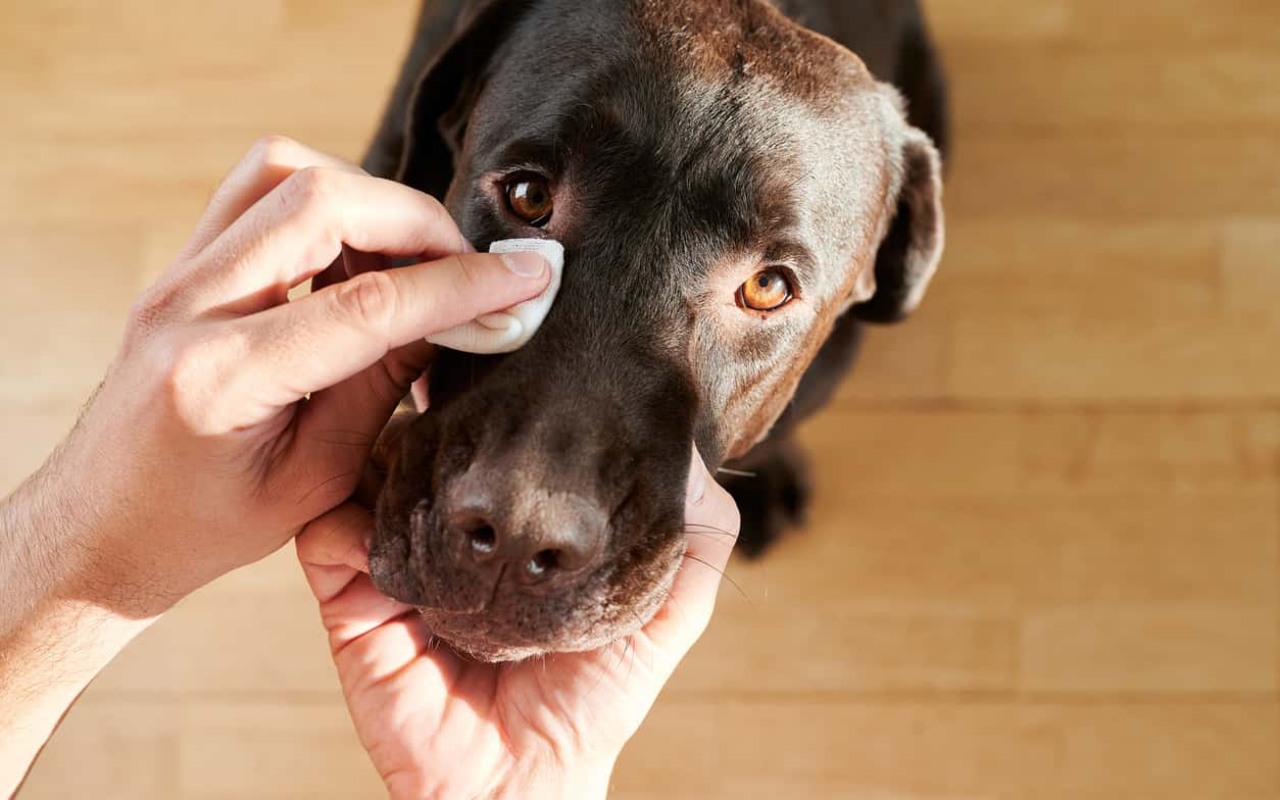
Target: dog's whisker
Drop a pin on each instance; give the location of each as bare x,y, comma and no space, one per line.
707,530
714,535
737,473
640,622
629,647
724,575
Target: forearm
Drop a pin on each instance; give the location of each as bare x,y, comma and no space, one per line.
53,640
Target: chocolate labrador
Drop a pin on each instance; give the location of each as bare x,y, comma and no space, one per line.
739,186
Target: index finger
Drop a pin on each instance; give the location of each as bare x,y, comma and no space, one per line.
320,340
270,161
301,226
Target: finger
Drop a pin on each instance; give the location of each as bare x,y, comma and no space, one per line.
421,395
325,338
300,227
268,163
711,524
337,430
391,635
333,550
334,558
351,263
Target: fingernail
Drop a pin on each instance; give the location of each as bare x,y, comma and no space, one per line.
498,321
526,265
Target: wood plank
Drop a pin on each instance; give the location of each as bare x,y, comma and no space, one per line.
995,751
1086,310
272,642
1036,265
110,750
1165,648
191,749
1093,25
278,750
1012,356
29,436
1116,176
1024,88
63,340
865,451
1251,268
775,648
993,553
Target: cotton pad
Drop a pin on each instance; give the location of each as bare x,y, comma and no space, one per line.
509,330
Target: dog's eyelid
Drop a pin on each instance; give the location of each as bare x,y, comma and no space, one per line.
525,172
792,257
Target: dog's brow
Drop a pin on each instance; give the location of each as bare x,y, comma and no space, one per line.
795,254
529,153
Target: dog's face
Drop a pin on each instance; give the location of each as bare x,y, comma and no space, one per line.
722,181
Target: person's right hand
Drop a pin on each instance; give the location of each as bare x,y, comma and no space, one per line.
437,725
232,417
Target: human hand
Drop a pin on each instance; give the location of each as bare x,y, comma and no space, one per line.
232,417
436,724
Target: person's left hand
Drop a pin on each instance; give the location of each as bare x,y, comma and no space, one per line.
436,724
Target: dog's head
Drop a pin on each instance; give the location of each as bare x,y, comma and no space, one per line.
726,184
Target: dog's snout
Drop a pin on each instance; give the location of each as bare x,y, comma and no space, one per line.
527,537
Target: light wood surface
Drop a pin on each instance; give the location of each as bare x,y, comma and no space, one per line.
1045,556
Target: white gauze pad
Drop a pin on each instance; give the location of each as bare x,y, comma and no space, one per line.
509,330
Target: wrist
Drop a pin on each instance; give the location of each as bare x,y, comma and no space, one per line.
78,528
586,781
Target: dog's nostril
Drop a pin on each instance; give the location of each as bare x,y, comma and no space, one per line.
542,562
484,540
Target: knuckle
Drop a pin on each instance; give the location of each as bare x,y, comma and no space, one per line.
308,187
370,300
435,211
271,150
191,379
180,368
150,311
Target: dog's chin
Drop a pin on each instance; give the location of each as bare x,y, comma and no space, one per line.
491,636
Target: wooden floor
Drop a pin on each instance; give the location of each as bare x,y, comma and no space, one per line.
1045,558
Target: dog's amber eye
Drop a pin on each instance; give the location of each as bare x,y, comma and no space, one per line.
768,290
530,200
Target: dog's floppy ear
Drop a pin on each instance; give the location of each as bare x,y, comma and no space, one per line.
912,245
444,92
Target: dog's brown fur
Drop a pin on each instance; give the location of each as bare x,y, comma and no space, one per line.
699,141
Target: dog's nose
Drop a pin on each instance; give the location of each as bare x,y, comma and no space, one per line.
531,538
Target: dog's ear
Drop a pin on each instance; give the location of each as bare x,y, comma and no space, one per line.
912,244
445,90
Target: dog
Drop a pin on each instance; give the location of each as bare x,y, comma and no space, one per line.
738,194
